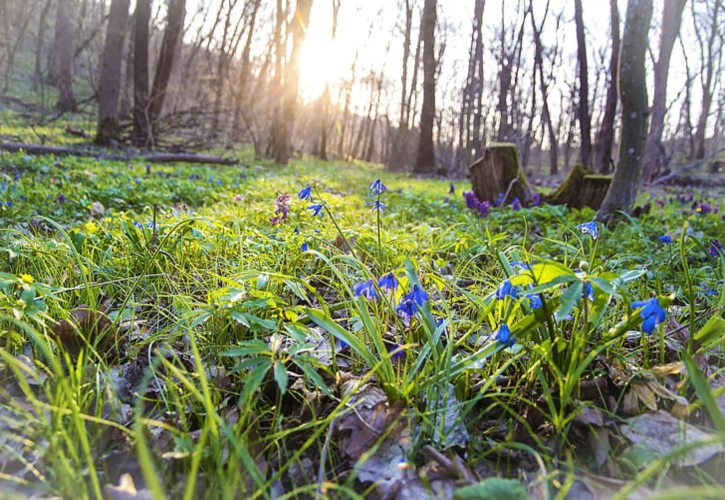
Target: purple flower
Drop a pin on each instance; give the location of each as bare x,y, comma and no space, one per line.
61,198
484,208
590,228
500,197
306,193
472,201
715,248
704,209
452,188
516,204
652,313
377,205
535,199
388,282
281,208
503,335
365,289
378,187
316,208
506,288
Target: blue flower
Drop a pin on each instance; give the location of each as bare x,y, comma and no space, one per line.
503,335
378,187
500,197
365,289
652,313
521,265
397,351
535,300
316,208
506,288
590,228
516,204
588,290
406,309
305,247
666,239
137,224
388,282
306,193
417,295
452,189
377,205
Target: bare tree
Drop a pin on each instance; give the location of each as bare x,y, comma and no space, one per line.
585,153
635,110
710,68
425,162
110,86
244,73
470,140
64,56
605,136
172,35
141,120
326,93
671,17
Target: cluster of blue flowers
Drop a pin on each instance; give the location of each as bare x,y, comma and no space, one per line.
409,303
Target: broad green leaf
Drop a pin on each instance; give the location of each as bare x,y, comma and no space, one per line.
281,376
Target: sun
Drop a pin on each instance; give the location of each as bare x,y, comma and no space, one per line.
322,61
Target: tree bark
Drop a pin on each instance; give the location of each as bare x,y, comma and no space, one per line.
605,136
110,85
671,17
635,110
425,162
141,118
172,34
64,49
710,57
585,153
239,94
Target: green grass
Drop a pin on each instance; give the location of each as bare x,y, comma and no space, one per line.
221,369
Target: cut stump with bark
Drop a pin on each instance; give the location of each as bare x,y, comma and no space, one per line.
581,188
499,171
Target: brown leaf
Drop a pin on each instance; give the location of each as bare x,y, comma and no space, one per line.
125,490
86,326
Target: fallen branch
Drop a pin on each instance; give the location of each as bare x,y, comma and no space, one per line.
36,149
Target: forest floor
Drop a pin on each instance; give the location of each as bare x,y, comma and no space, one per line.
205,331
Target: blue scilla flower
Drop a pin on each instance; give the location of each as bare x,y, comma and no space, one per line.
666,239
378,187
499,199
388,282
589,228
516,204
316,208
506,288
588,290
521,265
652,313
417,295
397,352
137,224
365,289
306,193
406,309
377,205
503,335
305,246
535,300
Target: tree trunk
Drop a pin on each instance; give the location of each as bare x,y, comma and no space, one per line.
141,119
605,136
239,94
585,153
671,17
64,54
425,162
172,34
635,110
110,85
710,56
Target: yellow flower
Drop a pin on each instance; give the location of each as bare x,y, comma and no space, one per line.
91,227
26,278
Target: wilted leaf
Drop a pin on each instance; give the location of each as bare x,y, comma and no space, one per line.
661,433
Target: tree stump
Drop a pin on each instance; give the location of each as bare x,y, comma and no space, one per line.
499,172
581,188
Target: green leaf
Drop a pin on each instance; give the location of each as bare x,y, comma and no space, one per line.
704,391
312,374
712,332
493,488
281,376
357,345
569,299
253,380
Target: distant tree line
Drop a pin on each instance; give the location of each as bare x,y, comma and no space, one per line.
158,75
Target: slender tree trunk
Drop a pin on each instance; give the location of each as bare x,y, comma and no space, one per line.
585,153
605,136
711,55
64,51
426,162
326,94
635,109
141,119
39,41
172,34
110,85
671,17
239,95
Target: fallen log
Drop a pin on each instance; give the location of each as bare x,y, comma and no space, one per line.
37,149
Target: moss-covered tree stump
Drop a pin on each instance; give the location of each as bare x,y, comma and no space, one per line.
581,188
495,172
